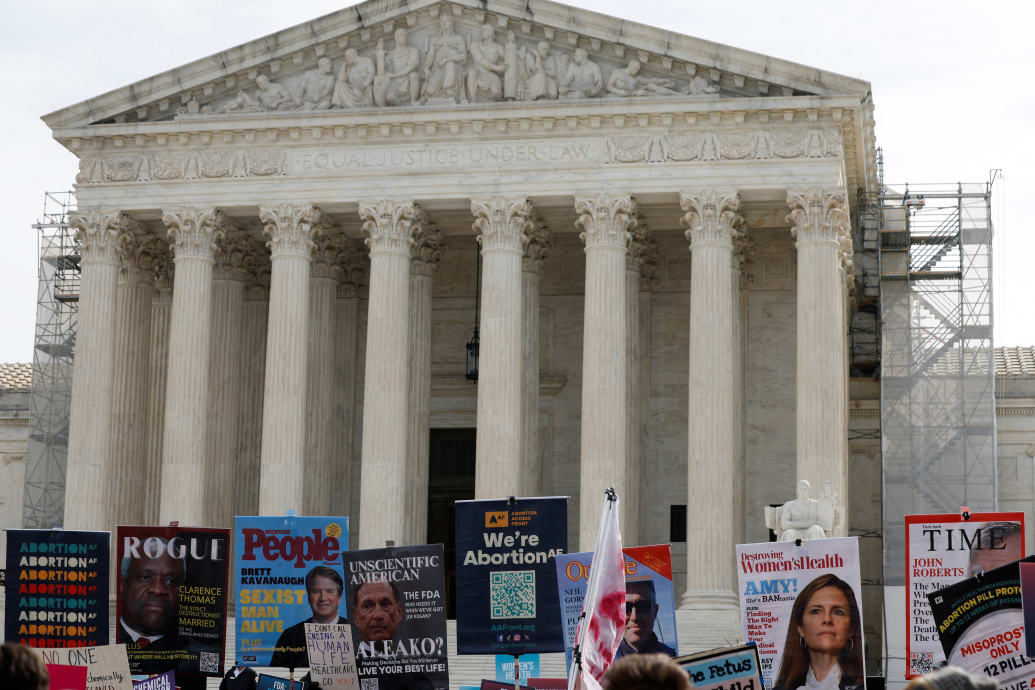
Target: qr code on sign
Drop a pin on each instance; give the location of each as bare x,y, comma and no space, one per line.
921,663
512,594
368,684
208,662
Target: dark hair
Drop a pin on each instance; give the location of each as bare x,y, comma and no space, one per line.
324,571
21,669
794,666
395,591
646,672
647,586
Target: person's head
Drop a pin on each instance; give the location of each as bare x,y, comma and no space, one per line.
488,32
952,678
446,24
262,81
543,48
401,37
580,56
824,620
803,489
21,669
997,544
634,67
377,609
646,672
350,56
151,591
325,65
641,608
324,587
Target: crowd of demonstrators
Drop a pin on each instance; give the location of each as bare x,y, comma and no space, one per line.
646,672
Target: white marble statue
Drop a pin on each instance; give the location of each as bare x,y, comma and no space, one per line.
804,517
398,72
699,86
539,72
317,85
268,95
352,89
444,65
629,82
583,78
488,66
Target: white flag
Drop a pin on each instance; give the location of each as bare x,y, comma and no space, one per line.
603,620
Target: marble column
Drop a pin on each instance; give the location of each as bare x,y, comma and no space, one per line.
291,229
320,463
161,311
711,218
131,387
88,466
253,372
225,379
635,390
352,270
427,250
534,481
194,232
502,225
605,222
820,221
741,250
389,226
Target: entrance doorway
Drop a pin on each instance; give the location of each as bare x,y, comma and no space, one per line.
450,479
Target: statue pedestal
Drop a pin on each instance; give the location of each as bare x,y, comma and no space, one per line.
707,619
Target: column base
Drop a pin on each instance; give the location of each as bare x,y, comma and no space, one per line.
707,619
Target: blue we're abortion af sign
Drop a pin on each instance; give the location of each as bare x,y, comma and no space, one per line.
506,579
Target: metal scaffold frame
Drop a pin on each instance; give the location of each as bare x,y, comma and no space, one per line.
53,352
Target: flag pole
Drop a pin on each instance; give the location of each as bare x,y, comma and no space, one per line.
610,503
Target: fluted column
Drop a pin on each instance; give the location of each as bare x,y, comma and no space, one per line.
820,221
502,226
383,491
131,388
253,373
635,409
225,373
352,269
161,311
533,479
88,468
290,229
741,250
605,222
711,218
194,232
427,250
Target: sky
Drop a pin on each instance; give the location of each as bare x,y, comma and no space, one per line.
951,85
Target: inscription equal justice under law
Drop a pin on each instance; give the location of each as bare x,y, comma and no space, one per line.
438,156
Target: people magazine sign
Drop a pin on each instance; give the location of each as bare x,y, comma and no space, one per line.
942,550
288,573
396,599
171,601
650,608
732,668
801,603
980,623
57,588
506,578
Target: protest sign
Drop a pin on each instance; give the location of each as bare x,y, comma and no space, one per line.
332,659
107,667
1027,573
505,575
267,682
66,677
651,625
275,555
56,587
981,625
163,681
172,598
732,668
397,604
787,591
528,665
942,550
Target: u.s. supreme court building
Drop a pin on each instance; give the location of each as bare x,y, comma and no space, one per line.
280,280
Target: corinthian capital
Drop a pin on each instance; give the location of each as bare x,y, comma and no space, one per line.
98,233
138,256
502,223
194,231
711,216
642,254
291,228
389,225
427,247
231,258
606,221
540,241
818,215
352,267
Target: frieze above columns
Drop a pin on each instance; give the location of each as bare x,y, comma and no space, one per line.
503,223
606,221
711,216
98,233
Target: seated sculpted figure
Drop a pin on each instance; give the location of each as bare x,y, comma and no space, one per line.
398,72
268,96
444,65
314,91
804,517
628,82
539,72
352,88
583,78
486,76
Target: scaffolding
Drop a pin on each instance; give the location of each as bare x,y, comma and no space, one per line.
937,369
51,398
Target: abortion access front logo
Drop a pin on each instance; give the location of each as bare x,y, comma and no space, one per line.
496,518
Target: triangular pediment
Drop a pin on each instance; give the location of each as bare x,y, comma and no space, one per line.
355,59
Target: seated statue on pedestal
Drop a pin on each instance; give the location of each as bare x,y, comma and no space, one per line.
804,517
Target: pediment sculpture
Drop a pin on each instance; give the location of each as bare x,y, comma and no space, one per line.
805,517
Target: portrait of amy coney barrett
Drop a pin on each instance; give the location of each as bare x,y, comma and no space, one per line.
823,649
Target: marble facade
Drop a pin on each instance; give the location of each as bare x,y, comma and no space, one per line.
665,240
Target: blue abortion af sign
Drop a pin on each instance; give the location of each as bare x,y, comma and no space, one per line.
506,580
